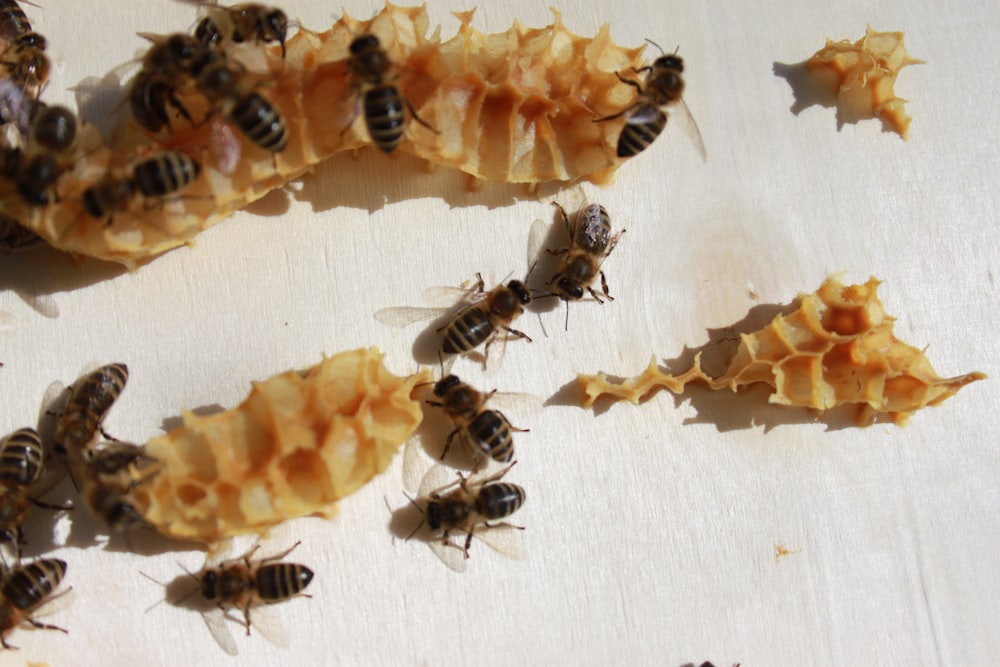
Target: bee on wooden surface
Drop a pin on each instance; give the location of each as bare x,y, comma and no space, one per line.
382,102
644,119
89,401
486,432
29,66
156,177
225,85
243,583
591,241
23,590
485,318
21,470
167,65
469,505
240,23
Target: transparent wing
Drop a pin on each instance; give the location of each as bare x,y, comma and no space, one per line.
505,538
414,465
218,623
267,620
404,316
689,127
437,479
536,241
516,405
449,553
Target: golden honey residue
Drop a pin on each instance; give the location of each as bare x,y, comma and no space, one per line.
299,442
837,348
865,72
514,107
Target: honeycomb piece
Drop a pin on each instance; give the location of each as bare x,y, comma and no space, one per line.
300,441
864,73
514,107
836,349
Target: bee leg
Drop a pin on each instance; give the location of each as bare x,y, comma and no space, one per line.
246,617
282,554
562,211
50,506
516,334
447,443
511,426
468,542
604,287
45,626
10,647
413,112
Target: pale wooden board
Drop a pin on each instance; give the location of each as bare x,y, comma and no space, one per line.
651,531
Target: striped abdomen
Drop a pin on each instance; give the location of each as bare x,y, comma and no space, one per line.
90,401
281,581
260,122
470,328
165,173
13,21
27,587
492,435
21,458
499,500
385,117
641,128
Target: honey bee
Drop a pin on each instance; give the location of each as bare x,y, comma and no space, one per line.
29,67
486,432
485,318
243,583
34,176
53,128
23,590
21,469
169,62
382,102
225,85
155,177
89,401
644,119
241,22
591,241
468,505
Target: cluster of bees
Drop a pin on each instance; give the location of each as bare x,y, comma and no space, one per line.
33,145
36,141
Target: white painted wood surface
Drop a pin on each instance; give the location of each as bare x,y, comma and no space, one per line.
651,530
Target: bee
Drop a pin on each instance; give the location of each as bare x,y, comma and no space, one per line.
53,128
224,85
29,67
243,583
486,432
382,102
89,401
23,590
468,505
21,469
34,176
486,319
591,241
167,65
239,23
157,177
644,119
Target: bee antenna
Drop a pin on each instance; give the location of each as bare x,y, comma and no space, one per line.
657,46
415,530
412,502
567,316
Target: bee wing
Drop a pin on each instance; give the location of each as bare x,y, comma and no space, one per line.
266,619
504,538
55,603
438,478
404,316
446,296
519,404
449,553
413,464
689,128
536,241
218,623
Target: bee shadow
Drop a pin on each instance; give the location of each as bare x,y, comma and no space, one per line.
726,410
170,423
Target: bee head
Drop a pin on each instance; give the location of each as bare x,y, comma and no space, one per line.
364,43
518,288
446,384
